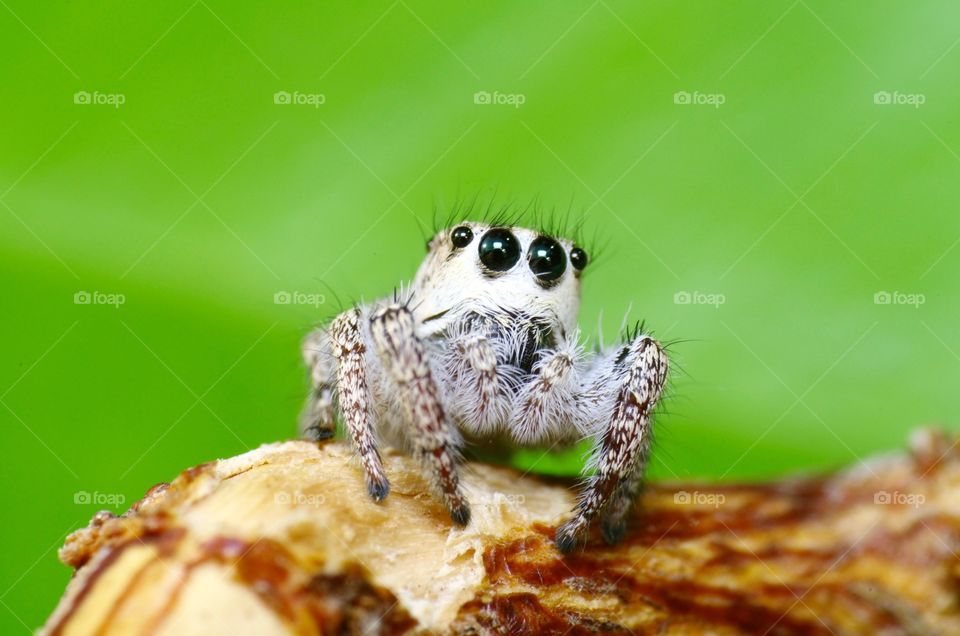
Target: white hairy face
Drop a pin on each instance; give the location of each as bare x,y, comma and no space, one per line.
500,270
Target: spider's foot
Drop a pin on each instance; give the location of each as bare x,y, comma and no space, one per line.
317,433
613,530
378,489
570,535
460,513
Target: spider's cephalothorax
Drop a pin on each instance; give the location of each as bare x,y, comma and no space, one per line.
485,347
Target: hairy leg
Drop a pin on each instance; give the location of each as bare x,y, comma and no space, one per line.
638,372
350,350
318,421
404,358
613,518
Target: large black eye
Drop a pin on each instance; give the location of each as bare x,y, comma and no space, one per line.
461,236
578,258
546,258
499,249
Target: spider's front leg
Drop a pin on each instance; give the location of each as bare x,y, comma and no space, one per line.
350,350
404,358
637,372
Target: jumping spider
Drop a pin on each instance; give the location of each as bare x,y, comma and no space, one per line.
486,347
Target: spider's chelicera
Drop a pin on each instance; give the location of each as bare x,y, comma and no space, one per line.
485,349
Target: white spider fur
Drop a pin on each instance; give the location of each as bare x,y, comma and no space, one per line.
485,348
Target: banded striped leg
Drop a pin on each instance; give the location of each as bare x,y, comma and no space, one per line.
318,421
350,351
619,457
404,358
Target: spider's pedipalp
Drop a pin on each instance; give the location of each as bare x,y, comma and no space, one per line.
478,388
548,406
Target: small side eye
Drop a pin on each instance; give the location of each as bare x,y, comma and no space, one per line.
461,236
499,249
546,259
578,258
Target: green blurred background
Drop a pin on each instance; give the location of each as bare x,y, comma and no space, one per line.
779,202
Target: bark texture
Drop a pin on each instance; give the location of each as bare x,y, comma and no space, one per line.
285,540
